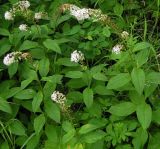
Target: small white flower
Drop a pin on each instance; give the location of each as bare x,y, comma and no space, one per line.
80,14
11,58
23,27
117,49
77,56
58,97
38,15
124,34
24,4
8,15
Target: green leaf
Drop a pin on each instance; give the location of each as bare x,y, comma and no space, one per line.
44,67
123,109
67,126
52,111
37,101
28,45
88,97
118,9
4,145
118,81
25,94
94,136
33,142
144,115
74,74
106,32
154,142
26,82
39,123
156,116
68,136
5,106
66,62
4,32
140,138
102,90
52,45
142,57
153,77
53,79
92,125
17,128
51,133
12,69
100,76
141,45
138,79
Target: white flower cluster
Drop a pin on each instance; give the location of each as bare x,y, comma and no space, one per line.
23,27
18,7
117,49
77,56
124,35
58,97
84,13
8,15
12,58
38,15
79,14
23,5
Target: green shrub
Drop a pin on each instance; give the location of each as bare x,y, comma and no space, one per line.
79,74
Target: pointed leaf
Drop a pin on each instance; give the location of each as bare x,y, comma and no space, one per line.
39,123
138,79
144,115
118,81
88,97
123,109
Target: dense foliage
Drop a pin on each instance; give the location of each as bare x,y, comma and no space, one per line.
79,74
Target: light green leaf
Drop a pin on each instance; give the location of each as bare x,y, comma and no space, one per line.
67,126
123,109
12,69
94,136
92,125
4,32
52,45
68,136
140,138
44,67
25,94
141,45
39,123
142,57
138,79
88,97
5,106
100,76
26,45
153,77
118,9
74,74
17,128
144,115
118,81
37,101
